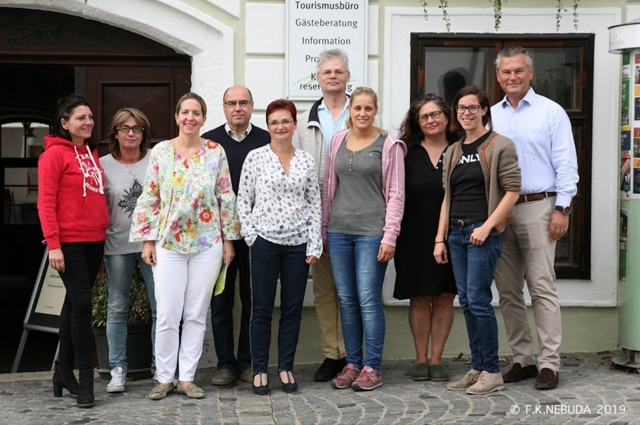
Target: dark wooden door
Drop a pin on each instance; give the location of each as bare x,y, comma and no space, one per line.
152,89
44,56
50,55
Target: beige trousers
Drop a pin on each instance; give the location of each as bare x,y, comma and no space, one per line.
327,309
528,251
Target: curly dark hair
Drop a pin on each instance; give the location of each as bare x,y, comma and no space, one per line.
410,131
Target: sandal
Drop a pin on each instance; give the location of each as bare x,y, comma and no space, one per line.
191,390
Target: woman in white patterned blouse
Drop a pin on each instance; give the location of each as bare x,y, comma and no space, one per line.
279,209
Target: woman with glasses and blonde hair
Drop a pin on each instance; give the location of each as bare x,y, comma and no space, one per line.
481,181
186,217
429,286
362,207
124,170
279,209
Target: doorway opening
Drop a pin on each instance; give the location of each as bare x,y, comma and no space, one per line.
45,56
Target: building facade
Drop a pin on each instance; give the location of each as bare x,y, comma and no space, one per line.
243,42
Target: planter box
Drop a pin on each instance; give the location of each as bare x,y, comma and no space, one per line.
139,350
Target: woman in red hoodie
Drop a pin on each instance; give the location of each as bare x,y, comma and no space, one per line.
74,218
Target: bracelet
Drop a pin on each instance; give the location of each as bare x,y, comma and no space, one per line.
439,241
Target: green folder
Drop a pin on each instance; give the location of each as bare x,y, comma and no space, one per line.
222,276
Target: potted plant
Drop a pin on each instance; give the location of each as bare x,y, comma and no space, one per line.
139,349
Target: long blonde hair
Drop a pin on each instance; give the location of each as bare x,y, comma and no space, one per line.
368,91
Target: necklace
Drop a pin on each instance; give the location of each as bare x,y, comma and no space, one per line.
287,157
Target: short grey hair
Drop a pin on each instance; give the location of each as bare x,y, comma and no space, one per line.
333,53
513,51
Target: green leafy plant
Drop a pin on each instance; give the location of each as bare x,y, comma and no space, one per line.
575,14
445,15
561,9
497,12
139,305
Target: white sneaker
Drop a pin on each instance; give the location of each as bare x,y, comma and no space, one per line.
118,381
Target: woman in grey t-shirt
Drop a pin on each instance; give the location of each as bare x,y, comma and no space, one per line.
124,170
362,207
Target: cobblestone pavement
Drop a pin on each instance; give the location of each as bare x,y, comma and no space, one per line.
591,391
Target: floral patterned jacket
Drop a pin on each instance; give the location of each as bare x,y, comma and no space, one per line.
192,212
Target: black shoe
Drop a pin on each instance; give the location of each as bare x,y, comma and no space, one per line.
519,373
260,389
329,369
85,388
343,364
547,380
288,387
63,377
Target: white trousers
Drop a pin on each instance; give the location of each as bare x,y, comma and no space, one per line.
183,287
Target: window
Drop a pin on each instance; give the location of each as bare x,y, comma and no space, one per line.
563,72
20,147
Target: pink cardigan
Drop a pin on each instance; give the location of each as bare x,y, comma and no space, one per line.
393,153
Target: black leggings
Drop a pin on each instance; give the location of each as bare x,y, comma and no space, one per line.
82,261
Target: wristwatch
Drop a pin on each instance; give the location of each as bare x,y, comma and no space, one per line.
564,210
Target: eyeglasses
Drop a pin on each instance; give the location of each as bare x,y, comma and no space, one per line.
473,109
434,116
233,103
125,129
277,123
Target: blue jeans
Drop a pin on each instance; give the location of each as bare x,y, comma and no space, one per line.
359,277
268,262
473,268
119,275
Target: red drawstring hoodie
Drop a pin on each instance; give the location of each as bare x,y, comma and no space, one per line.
71,201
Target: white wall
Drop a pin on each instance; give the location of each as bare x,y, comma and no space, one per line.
210,44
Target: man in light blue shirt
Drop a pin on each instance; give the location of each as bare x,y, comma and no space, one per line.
328,124
315,129
541,131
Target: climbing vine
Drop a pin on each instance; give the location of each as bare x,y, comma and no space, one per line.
497,12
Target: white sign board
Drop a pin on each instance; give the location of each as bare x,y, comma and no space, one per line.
52,293
316,25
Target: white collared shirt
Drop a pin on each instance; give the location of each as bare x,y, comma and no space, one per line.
541,131
234,135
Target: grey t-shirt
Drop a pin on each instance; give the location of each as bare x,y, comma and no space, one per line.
123,186
359,207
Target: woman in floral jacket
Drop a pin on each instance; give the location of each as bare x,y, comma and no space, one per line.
187,223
